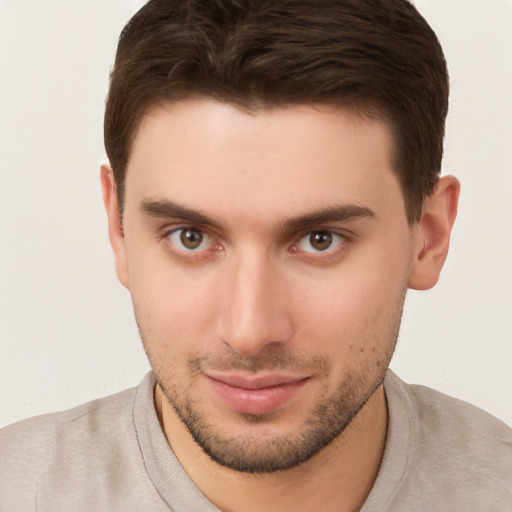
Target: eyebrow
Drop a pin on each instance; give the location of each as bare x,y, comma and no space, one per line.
336,213
165,208
168,209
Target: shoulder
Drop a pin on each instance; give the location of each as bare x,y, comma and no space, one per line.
91,419
441,413
457,450
461,423
48,447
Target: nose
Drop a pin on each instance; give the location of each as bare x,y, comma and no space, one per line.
254,312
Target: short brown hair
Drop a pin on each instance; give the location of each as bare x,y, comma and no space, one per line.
372,54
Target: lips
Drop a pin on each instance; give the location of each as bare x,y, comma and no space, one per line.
259,394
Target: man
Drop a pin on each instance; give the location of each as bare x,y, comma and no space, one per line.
273,191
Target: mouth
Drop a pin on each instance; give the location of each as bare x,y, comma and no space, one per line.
255,394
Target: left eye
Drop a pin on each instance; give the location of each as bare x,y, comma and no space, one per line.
190,239
320,241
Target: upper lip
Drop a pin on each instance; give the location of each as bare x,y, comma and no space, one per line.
258,381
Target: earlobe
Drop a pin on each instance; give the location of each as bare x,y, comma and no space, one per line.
432,234
115,226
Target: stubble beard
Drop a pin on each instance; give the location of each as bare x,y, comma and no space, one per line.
261,453
329,419
247,454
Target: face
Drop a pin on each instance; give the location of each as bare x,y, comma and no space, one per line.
268,257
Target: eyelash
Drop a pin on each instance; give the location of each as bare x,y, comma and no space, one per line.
191,254
338,243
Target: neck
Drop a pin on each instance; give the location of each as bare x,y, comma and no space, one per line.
339,477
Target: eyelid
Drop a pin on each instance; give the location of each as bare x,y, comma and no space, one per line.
345,233
175,238
341,246
189,254
169,229
216,245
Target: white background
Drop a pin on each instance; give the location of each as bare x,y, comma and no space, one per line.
67,333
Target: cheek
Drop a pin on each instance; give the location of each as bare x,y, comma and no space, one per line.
355,310
173,308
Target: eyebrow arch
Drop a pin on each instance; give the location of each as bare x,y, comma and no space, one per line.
344,212
167,209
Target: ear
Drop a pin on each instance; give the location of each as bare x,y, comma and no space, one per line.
432,233
115,225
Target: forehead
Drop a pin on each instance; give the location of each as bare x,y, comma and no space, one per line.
270,161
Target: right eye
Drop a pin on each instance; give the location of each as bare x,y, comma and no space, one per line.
190,239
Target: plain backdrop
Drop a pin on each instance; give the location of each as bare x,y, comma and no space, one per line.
67,333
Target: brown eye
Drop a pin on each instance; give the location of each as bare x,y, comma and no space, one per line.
191,238
320,240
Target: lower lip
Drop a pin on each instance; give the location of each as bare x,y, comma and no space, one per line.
256,401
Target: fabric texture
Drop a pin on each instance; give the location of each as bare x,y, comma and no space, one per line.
111,455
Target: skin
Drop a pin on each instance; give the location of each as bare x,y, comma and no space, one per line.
259,297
